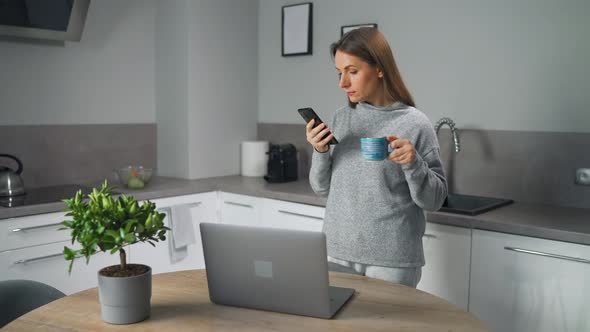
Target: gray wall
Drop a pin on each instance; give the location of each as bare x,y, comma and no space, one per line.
172,58
188,66
206,68
108,77
504,65
223,98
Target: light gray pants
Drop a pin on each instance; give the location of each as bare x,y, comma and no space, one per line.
409,276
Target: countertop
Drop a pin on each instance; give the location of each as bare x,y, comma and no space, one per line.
536,220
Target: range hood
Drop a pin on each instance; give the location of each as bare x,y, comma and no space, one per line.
43,19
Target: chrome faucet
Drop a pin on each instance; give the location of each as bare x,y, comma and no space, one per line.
451,124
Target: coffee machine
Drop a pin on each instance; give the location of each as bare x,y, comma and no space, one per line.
282,163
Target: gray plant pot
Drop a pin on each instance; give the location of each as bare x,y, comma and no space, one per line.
125,300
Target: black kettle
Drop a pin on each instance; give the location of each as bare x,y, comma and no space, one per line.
11,184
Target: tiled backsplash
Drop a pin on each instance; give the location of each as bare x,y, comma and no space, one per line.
532,167
66,154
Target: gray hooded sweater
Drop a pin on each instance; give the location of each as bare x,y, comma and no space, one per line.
375,209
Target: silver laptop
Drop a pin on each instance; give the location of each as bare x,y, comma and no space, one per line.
270,269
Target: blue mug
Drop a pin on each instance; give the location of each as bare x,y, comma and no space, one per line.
375,148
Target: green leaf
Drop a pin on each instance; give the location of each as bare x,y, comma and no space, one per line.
108,246
148,221
69,254
111,233
130,237
106,203
130,224
133,208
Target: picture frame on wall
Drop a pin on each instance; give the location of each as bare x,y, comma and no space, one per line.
297,29
345,28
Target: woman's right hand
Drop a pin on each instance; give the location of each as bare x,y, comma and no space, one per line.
314,136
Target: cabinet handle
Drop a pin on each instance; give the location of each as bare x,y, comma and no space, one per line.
430,236
300,215
544,254
24,229
238,204
167,208
31,260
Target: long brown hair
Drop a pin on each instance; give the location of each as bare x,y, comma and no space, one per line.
370,45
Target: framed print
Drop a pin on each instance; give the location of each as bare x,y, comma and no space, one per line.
297,29
344,29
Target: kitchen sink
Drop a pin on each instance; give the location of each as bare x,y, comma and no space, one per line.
472,205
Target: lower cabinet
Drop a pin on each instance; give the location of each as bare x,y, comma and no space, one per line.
520,283
287,215
164,257
447,251
46,264
512,283
239,209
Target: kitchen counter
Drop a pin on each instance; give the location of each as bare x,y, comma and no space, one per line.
536,220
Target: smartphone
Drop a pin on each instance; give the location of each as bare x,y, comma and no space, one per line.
307,113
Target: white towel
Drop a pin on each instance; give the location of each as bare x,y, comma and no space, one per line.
176,255
177,221
181,223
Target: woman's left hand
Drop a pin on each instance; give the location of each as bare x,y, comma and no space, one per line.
403,153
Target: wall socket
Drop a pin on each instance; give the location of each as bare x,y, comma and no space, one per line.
583,176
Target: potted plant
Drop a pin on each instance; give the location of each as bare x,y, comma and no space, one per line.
103,223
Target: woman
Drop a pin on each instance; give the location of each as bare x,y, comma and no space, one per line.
374,219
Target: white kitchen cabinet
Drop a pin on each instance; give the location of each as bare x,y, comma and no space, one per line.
447,251
203,209
240,209
522,284
46,264
31,247
287,215
32,230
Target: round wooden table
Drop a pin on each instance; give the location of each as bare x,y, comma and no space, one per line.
180,302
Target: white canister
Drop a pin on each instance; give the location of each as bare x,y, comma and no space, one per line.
254,158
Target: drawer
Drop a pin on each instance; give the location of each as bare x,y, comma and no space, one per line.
46,264
204,205
239,209
34,230
288,215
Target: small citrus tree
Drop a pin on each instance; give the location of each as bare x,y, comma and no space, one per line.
103,223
